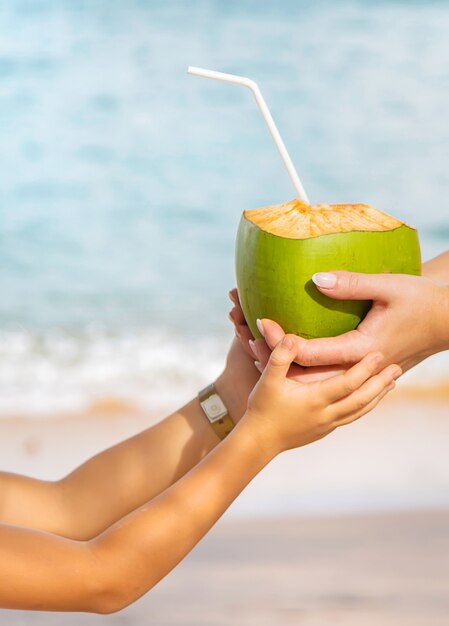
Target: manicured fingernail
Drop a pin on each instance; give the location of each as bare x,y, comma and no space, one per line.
258,366
325,280
260,327
252,345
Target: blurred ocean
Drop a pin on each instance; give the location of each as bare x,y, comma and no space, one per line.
123,179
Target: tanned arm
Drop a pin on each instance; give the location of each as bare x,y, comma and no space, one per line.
124,477
437,268
42,571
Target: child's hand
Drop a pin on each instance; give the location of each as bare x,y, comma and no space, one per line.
287,414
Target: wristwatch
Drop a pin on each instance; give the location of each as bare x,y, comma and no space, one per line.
216,411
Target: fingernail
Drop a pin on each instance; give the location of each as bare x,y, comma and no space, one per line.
397,373
391,386
252,345
231,297
260,327
326,280
258,366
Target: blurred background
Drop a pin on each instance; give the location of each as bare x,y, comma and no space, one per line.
122,184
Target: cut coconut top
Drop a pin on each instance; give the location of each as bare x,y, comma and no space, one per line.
298,220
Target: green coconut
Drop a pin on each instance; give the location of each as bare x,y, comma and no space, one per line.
279,248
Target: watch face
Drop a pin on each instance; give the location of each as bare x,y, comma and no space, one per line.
214,408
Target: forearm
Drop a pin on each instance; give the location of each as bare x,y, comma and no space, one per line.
42,571
123,478
30,502
440,320
150,542
112,483
437,268
118,480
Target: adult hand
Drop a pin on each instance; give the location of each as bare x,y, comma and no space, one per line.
259,351
408,321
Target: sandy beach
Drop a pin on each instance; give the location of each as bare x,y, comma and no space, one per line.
389,570
311,542
394,458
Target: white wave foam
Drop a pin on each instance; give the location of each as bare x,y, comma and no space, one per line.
58,373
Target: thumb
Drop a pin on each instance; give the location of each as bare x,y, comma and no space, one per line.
280,359
271,332
353,286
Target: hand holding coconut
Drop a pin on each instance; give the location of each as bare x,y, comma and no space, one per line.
259,349
407,322
285,414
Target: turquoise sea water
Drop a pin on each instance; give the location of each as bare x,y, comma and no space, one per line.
122,179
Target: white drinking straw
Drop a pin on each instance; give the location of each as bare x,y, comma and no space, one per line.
247,82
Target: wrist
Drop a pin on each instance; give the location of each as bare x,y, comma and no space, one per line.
254,440
264,436
229,392
437,269
443,320
427,269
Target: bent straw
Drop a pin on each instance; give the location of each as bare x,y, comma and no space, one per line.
247,82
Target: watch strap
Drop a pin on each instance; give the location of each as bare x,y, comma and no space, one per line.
215,410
